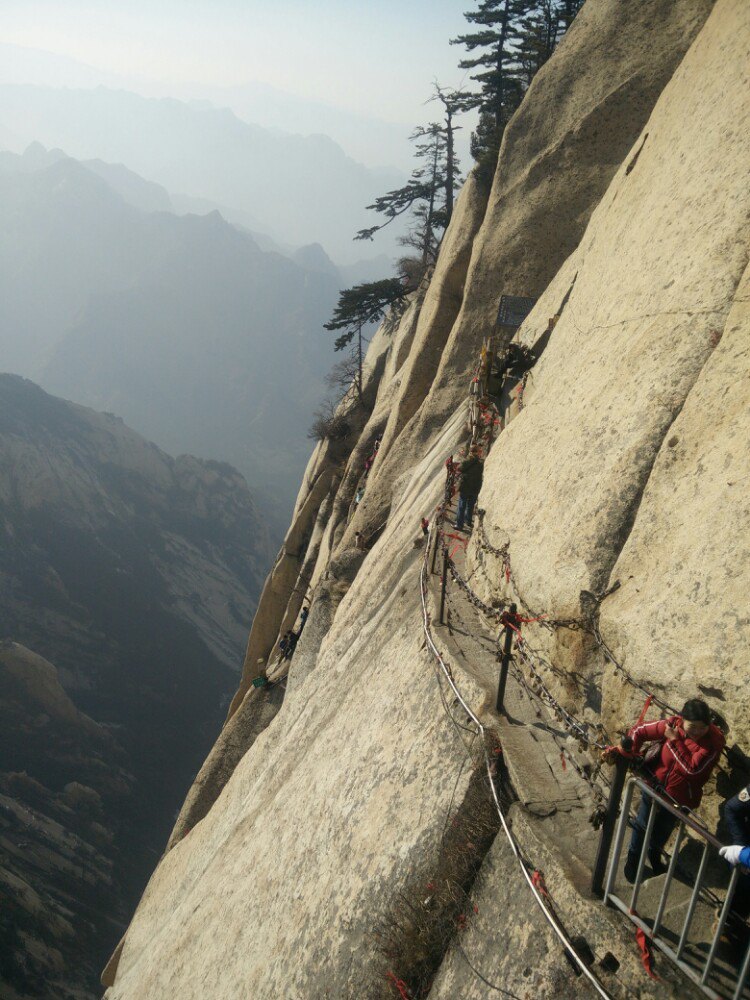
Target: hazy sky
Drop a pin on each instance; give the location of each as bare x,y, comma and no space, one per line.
375,57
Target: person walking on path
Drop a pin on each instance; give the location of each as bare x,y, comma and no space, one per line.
472,472
688,749
290,640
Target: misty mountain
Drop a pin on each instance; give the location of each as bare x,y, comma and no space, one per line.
134,576
135,190
181,325
370,140
301,189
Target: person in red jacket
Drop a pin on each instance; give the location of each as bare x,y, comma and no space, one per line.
688,748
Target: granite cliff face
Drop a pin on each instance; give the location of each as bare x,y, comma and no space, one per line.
127,579
621,200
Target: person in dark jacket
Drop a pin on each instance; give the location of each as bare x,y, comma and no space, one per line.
689,746
472,471
288,644
737,820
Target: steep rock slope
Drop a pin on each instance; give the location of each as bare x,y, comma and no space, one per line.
583,111
657,275
135,574
352,787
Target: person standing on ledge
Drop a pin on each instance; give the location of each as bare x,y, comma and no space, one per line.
688,749
737,820
472,472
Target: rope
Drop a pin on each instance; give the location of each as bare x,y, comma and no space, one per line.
543,905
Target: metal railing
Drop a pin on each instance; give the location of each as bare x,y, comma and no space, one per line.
718,980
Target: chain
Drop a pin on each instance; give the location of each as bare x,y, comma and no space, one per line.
474,598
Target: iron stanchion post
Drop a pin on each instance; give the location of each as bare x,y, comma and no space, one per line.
436,529
443,585
504,662
610,819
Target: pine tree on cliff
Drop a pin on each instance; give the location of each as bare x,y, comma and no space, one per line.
498,73
428,217
540,29
430,192
513,40
357,307
455,102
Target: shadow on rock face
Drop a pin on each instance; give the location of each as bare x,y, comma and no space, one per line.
346,565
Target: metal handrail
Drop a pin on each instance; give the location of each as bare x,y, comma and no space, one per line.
685,817
654,929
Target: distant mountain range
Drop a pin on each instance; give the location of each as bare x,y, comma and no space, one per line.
135,576
182,325
368,139
300,188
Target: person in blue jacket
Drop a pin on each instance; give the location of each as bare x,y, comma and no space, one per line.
737,820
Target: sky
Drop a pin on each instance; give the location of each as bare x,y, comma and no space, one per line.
376,58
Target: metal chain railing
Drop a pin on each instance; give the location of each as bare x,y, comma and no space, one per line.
528,871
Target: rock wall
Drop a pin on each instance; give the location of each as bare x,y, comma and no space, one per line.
582,114
621,199
656,275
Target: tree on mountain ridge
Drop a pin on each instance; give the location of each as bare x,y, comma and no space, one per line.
512,41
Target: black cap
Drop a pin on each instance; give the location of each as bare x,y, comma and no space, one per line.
696,710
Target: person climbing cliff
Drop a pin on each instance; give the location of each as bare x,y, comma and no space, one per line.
303,615
687,750
472,473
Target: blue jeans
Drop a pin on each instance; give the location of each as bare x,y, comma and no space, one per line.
465,510
664,823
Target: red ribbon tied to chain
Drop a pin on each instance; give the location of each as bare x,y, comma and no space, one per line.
647,958
642,716
399,984
537,877
515,621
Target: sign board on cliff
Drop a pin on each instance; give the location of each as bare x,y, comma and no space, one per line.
513,310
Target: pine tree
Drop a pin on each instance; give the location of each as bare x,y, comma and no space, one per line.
498,73
513,40
538,34
455,102
428,195
358,306
427,219
540,30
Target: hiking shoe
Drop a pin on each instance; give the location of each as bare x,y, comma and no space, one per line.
631,868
